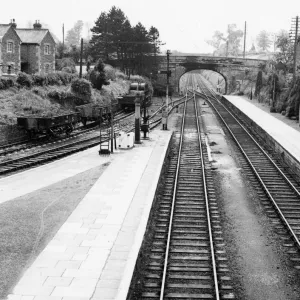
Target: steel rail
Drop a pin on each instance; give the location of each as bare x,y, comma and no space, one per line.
207,207
172,208
256,173
260,148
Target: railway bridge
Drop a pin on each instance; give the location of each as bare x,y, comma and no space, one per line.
225,66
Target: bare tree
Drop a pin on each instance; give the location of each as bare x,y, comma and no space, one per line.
263,40
74,34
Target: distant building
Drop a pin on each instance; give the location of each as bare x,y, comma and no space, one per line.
10,50
33,49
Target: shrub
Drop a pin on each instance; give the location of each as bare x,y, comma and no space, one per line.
66,62
40,80
66,78
24,79
5,83
68,70
59,95
120,75
110,72
81,86
53,78
98,77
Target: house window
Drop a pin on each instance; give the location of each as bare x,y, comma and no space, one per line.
10,68
10,46
47,49
47,67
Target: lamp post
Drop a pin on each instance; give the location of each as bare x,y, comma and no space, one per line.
137,136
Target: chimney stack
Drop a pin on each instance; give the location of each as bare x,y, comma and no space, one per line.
13,23
37,25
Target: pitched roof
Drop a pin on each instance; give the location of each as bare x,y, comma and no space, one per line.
4,28
31,36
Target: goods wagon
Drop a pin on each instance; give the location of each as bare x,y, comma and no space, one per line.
95,112
48,125
136,89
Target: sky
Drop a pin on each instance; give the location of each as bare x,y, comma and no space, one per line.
183,25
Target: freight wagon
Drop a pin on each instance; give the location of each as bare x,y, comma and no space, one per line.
95,112
48,125
136,89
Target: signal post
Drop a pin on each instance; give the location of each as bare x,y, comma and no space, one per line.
165,111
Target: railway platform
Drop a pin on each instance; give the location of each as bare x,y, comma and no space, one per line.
93,254
279,136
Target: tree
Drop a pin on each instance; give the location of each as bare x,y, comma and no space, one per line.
286,49
97,76
114,37
216,40
74,34
227,45
263,40
234,38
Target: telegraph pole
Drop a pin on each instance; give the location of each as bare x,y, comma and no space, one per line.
245,32
81,53
295,47
63,32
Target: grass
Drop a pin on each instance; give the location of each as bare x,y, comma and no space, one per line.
23,236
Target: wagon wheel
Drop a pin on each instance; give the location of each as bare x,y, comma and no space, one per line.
69,129
83,120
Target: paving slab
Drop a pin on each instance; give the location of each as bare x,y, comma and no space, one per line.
93,254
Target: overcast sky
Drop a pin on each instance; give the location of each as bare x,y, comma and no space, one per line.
183,25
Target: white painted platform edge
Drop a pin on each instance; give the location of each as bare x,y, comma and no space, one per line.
139,236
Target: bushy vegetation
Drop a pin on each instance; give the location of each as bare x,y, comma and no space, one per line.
66,64
55,78
6,83
54,93
81,87
24,80
98,76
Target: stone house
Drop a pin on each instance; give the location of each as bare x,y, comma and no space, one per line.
30,50
37,49
10,50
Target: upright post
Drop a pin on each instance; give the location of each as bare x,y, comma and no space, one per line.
167,90
81,54
111,128
295,48
137,136
63,32
245,32
226,48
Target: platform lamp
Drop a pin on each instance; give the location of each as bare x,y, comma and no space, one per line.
137,123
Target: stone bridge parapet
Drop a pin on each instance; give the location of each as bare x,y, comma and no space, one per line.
225,66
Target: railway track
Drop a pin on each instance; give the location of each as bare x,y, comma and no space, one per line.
56,150
187,259
275,183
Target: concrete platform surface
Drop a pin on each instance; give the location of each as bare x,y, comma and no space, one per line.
93,254
285,135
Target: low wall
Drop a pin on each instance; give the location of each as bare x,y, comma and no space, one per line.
287,157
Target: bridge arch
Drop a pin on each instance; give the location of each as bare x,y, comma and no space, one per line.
225,66
187,71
